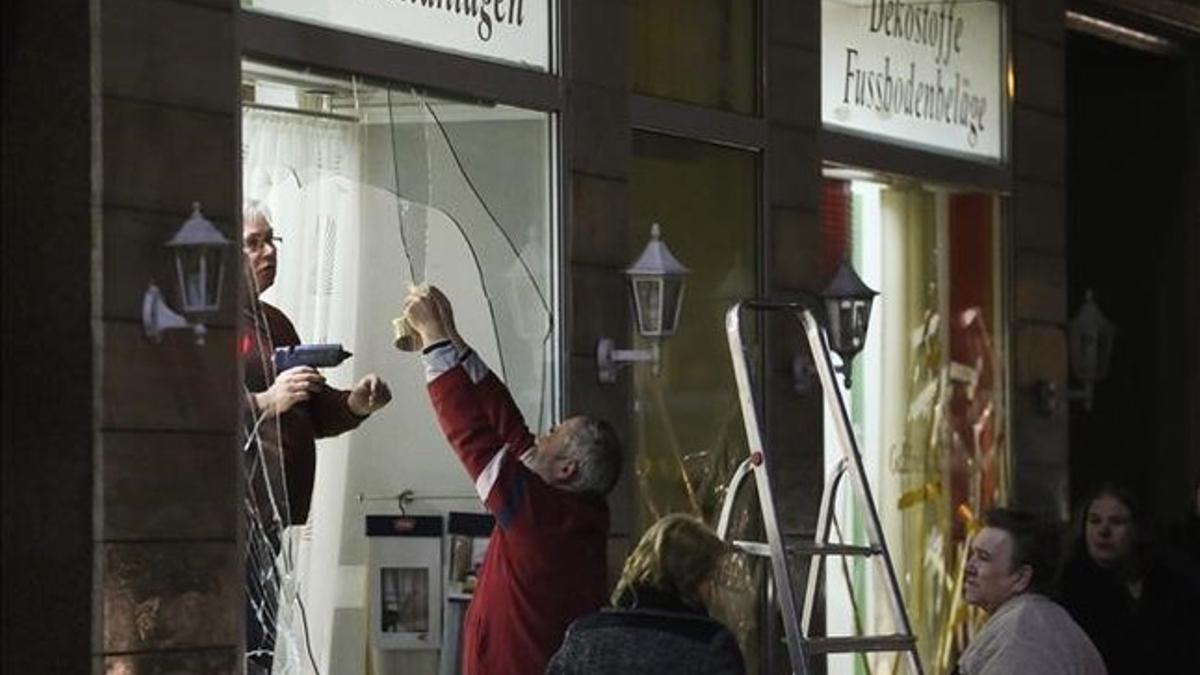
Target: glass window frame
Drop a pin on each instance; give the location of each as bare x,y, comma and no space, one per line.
298,44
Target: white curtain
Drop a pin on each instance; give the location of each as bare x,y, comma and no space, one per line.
306,170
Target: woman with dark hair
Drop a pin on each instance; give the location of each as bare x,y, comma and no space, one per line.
658,623
1140,615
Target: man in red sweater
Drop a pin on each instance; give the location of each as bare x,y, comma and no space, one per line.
546,562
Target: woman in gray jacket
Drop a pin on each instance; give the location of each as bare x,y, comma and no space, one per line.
658,623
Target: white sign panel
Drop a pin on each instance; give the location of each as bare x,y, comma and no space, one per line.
516,31
924,72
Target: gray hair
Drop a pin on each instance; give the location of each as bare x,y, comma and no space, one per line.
597,452
255,208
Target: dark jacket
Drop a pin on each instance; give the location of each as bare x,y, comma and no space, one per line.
657,634
325,413
1156,633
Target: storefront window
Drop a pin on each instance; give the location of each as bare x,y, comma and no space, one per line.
372,188
928,402
511,31
697,51
687,433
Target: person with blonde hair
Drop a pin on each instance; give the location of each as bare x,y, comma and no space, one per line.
659,621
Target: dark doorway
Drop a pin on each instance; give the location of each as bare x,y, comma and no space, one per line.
1131,175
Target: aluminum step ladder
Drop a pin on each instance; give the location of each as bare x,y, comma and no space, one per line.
801,645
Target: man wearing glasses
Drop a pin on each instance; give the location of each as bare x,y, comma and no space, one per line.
290,410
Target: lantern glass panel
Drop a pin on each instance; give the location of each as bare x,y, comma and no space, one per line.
1088,354
199,272
1104,354
671,301
647,298
862,317
835,324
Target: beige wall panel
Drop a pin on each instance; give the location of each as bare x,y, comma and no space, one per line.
1041,81
1040,287
170,52
792,163
794,251
1041,353
794,75
171,596
162,159
1039,217
169,486
600,307
599,130
208,662
1040,146
600,221
176,385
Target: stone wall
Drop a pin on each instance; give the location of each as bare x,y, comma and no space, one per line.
121,470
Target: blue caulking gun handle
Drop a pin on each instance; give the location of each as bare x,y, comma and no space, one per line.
314,356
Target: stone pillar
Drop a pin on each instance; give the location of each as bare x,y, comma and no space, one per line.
792,100
597,148
1038,263
121,464
167,480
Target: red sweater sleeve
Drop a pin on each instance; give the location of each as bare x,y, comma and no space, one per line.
468,416
503,414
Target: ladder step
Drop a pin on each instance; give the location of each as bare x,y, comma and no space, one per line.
753,548
869,643
760,549
810,548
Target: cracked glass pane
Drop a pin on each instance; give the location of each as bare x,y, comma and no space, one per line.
368,190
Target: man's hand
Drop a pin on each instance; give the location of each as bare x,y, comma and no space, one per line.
424,316
370,394
446,314
291,387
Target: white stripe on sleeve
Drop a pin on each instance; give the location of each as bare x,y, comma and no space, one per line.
439,360
487,478
475,367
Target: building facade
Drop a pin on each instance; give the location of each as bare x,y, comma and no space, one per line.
517,154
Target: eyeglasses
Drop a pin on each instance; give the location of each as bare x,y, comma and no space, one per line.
256,244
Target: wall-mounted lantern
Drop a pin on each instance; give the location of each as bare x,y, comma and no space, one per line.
1090,338
199,252
656,283
847,303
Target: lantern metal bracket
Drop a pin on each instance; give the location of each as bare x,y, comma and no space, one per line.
1089,349
609,359
1049,396
158,317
